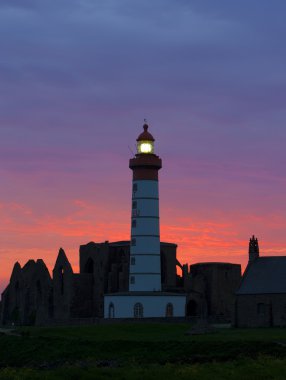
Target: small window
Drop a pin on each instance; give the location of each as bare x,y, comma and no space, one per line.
261,308
62,283
111,310
134,204
169,310
135,187
133,260
138,310
134,223
132,280
133,242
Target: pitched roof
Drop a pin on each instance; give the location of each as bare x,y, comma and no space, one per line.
264,275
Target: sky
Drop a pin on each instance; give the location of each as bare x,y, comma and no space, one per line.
77,79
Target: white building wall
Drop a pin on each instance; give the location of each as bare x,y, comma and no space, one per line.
153,306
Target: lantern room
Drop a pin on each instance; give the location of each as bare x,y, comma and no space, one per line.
145,142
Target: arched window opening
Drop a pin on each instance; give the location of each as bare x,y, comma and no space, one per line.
192,308
169,310
122,256
62,280
163,268
138,310
39,292
111,310
50,305
89,266
261,308
179,275
27,306
17,291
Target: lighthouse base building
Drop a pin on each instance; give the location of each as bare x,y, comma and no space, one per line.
144,305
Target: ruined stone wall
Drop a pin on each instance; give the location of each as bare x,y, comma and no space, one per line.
218,282
94,260
27,300
82,303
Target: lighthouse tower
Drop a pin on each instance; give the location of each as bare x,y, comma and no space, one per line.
145,265
145,298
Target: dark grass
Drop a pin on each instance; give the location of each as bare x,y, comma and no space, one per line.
154,332
119,350
260,369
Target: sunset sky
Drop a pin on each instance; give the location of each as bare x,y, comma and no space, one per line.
77,78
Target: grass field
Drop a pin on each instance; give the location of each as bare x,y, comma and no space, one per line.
142,351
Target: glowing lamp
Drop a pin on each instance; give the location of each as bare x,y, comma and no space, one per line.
145,147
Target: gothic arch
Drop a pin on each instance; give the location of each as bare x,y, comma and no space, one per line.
192,308
17,293
39,292
163,267
89,266
62,283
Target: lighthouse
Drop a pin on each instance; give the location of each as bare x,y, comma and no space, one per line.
145,298
145,266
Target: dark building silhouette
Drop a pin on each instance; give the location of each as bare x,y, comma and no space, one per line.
261,297
28,298
33,297
211,288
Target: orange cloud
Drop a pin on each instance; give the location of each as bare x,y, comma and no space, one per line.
28,233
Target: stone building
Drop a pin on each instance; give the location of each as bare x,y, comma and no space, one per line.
261,297
33,297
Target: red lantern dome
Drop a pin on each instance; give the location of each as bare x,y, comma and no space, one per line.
145,136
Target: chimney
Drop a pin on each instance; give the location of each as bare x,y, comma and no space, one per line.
253,249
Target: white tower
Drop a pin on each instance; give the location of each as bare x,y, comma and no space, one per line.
145,265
